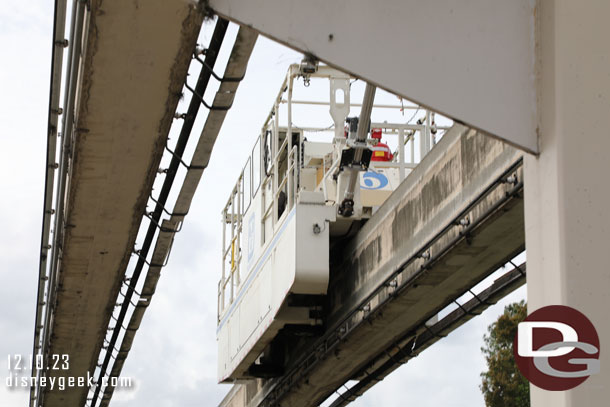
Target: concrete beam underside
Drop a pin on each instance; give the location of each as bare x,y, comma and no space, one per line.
137,56
474,61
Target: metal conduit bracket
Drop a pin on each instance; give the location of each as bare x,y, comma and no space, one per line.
435,335
218,78
171,214
425,254
203,102
393,283
517,268
401,351
512,179
62,43
107,347
162,228
117,321
137,253
341,395
124,296
188,167
132,289
464,310
487,303
465,221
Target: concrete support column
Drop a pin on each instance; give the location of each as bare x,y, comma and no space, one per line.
567,187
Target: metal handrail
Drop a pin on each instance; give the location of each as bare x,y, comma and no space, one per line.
48,271
238,218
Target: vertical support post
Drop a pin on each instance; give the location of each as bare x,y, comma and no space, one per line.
432,136
289,180
262,187
401,153
240,198
323,181
422,142
412,137
566,186
295,175
289,113
289,139
427,132
218,303
232,272
275,137
224,260
232,278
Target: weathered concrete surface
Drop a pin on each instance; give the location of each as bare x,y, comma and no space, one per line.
137,56
567,195
236,68
463,165
450,178
420,215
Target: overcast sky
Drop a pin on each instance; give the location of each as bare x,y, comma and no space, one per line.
173,359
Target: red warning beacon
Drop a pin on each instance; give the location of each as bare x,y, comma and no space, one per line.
382,151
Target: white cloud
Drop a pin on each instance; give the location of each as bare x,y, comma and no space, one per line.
24,79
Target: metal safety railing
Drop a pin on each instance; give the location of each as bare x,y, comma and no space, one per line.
425,134
274,182
233,216
57,178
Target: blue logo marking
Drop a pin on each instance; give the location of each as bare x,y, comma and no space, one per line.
373,180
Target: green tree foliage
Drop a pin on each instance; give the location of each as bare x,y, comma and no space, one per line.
503,384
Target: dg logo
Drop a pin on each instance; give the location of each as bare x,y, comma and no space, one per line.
557,348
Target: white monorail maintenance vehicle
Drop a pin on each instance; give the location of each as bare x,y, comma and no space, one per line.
294,199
